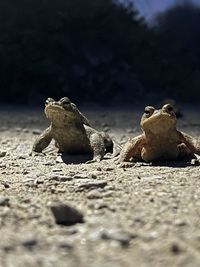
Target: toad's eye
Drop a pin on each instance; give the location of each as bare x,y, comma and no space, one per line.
49,100
168,108
149,111
65,101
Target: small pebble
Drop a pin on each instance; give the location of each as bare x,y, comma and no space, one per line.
108,193
122,237
162,194
81,176
59,159
148,191
5,184
39,181
65,214
109,169
49,163
65,244
25,130
4,201
150,236
175,248
36,131
60,178
57,170
94,194
2,153
29,243
23,156
180,222
92,184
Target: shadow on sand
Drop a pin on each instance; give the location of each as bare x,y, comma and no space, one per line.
176,164
78,158
75,159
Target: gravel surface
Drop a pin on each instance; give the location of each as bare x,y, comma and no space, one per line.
141,216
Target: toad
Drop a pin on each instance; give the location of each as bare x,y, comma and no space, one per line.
71,131
160,140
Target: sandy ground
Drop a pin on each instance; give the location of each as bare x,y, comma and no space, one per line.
142,216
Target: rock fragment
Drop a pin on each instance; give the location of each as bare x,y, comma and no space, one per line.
65,244
60,178
122,237
65,214
94,194
36,131
81,176
92,184
175,248
29,243
4,201
2,154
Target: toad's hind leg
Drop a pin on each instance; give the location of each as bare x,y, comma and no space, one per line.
184,152
96,143
42,141
192,144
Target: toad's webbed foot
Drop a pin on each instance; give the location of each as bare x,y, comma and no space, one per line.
126,164
97,159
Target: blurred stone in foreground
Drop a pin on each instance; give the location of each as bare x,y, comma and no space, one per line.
65,214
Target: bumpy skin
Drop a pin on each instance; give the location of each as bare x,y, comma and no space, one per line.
160,139
72,131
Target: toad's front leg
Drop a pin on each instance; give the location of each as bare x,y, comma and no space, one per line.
132,149
42,141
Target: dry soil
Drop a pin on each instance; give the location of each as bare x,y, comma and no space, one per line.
142,216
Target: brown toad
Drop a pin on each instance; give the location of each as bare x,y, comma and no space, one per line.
160,139
72,131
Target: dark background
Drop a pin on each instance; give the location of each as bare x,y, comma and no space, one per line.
97,51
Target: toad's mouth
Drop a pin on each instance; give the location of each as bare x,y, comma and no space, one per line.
53,108
159,122
57,114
